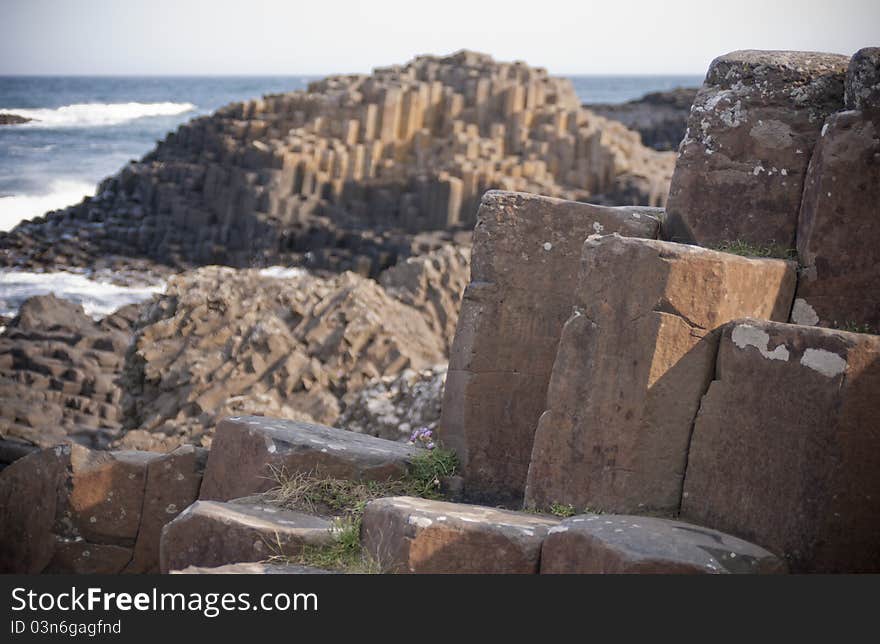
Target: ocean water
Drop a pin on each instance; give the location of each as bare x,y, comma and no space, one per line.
87,128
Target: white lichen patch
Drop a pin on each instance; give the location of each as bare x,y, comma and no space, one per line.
548,246
746,335
558,528
598,227
421,522
827,363
803,313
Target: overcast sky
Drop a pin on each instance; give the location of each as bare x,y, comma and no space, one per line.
324,36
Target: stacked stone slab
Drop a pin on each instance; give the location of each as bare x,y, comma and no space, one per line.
342,175
524,271
411,535
633,361
210,534
838,238
786,447
249,452
614,544
69,509
752,129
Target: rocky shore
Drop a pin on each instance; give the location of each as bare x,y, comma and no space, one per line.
625,383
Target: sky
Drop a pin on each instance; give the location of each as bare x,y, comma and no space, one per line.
268,37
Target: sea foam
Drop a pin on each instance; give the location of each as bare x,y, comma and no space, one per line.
61,193
95,114
98,299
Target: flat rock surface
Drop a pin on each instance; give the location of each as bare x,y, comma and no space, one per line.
613,544
406,534
252,569
210,533
247,449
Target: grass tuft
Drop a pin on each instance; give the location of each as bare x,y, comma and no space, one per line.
748,249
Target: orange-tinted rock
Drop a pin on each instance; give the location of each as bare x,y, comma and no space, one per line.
614,544
751,131
524,270
248,450
786,448
634,360
406,534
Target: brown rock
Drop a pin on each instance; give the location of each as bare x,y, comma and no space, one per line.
863,80
29,489
406,534
106,495
248,450
838,233
252,569
786,448
634,359
173,482
523,273
83,558
751,131
210,534
614,544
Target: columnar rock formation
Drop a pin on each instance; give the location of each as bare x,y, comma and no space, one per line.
786,447
838,239
525,266
633,361
342,175
752,128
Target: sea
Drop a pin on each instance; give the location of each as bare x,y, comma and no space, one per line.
86,128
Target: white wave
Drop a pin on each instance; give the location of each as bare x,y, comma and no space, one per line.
95,114
282,272
98,299
62,193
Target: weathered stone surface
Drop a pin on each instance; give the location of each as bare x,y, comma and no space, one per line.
211,534
786,448
79,557
106,495
58,370
247,449
252,569
863,80
838,232
407,534
172,485
524,269
751,131
29,489
634,359
614,544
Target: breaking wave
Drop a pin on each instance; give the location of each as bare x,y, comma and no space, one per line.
96,114
61,193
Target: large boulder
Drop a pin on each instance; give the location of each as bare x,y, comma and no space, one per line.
523,273
838,234
614,544
411,535
786,447
752,128
210,534
248,452
635,357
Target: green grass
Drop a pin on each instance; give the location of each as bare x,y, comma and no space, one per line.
562,510
345,501
747,249
856,327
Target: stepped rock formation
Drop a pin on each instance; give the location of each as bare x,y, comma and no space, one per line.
838,239
786,447
226,342
659,117
752,128
525,265
58,370
343,175
633,361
